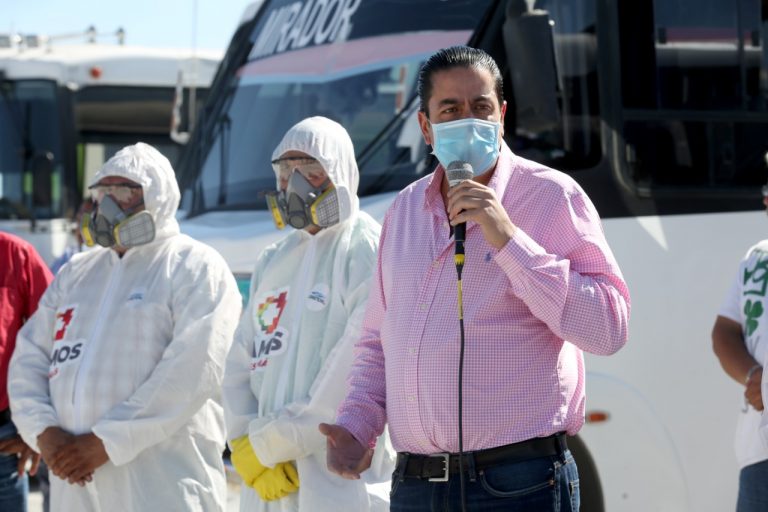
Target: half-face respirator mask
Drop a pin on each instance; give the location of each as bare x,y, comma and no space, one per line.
109,225
301,205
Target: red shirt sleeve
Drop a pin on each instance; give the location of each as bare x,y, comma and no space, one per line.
37,279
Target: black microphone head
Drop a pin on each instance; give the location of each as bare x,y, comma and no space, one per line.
458,171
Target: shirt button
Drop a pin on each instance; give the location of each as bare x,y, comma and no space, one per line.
412,351
411,398
436,263
423,307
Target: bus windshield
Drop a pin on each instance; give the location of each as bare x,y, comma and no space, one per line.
30,151
364,81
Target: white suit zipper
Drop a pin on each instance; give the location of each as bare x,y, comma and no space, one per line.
297,303
88,350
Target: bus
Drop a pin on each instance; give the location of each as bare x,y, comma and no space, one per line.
658,109
65,109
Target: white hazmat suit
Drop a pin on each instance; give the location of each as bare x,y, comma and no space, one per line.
133,350
286,372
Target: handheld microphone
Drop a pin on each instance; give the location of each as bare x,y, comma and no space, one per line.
456,172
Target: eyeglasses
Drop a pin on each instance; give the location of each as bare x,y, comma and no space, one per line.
122,192
310,168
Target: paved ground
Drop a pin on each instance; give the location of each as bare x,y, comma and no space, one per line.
233,498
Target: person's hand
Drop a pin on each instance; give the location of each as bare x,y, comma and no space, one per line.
278,482
245,461
79,458
346,456
16,445
470,200
753,393
51,440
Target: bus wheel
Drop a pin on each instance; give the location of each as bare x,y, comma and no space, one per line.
590,489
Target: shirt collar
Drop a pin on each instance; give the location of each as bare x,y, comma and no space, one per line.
433,200
505,167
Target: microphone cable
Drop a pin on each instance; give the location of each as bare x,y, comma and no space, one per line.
459,261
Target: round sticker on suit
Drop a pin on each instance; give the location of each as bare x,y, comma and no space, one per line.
318,297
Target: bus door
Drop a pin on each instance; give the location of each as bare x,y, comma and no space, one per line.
34,189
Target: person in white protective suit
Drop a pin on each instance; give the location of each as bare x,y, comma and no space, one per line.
116,379
286,371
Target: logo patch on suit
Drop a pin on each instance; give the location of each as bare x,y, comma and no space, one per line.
64,353
266,347
318,297
270,309
136,296
270,339
64,317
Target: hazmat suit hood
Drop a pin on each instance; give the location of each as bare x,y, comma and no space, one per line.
148,167
329,143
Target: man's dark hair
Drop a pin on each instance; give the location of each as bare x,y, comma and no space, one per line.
456,56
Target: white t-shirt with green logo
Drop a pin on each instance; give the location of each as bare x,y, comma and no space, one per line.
747,304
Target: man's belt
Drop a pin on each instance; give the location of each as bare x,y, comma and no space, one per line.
439,466
5,416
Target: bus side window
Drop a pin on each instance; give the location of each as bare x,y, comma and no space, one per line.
694,93
708,53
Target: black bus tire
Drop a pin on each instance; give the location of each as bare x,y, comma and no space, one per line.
590,488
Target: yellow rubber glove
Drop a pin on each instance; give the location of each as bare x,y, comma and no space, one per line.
277,482
245,461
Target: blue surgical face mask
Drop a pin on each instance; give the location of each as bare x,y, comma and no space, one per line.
471,140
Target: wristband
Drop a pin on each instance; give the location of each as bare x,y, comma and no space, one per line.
751,372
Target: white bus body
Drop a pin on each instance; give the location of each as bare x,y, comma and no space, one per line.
658,109
65,109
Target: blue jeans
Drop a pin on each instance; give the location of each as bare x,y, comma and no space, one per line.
753,491
13,488
535,485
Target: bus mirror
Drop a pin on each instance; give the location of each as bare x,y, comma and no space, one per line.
529,44
177,136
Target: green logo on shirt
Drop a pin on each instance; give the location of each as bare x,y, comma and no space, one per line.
758,276
752,311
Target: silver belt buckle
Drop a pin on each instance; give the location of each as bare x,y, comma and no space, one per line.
446,467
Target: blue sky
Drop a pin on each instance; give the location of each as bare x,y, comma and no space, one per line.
158,23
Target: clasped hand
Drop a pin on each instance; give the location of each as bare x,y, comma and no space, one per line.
346,456
752,393
271,483
71,457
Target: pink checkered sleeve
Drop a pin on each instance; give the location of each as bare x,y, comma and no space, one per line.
363,413
581,297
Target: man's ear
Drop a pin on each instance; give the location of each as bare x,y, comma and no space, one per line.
426,128
501,120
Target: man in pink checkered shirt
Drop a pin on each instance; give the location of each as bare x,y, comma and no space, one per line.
540,285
